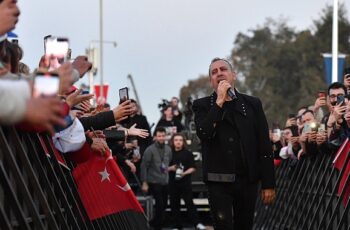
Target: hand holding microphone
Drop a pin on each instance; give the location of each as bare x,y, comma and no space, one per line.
224,91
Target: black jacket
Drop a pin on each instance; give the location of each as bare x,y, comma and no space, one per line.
214,129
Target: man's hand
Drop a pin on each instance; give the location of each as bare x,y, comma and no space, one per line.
321,101
131,166
45,112
122,111
76,97
99,145
82,65
133,131
291,121
268,196
222,92
312,136
9,13
172,168
145,187
321,138
339,111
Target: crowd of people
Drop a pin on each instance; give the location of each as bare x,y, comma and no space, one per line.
314,129
162,165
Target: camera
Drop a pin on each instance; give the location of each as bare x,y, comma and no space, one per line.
163,104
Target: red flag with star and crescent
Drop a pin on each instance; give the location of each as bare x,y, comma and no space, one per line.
102,187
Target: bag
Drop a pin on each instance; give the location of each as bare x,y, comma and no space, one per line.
70,139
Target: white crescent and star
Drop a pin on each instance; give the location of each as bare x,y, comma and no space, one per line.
105,176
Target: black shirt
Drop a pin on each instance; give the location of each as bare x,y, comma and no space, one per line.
185,158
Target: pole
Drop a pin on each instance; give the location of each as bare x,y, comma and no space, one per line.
101,48
335,42
135,91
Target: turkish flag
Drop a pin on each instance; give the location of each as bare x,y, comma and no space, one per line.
339,163
103,188
101,99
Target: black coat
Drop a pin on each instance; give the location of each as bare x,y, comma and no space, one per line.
214,128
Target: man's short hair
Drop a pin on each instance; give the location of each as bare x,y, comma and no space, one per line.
160,129
346,71
106,105
337,85
308,111
220,59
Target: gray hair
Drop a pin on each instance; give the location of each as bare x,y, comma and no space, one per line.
220,59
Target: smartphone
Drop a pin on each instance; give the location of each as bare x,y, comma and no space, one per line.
322,94
294,130
307,128
46,84
291,115
340,100
321,128
314,126
123,94
57,48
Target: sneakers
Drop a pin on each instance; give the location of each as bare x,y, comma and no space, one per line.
200,226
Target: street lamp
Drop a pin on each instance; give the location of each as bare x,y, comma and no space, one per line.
96,62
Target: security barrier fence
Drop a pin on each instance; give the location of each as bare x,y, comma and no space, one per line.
37,191
309,196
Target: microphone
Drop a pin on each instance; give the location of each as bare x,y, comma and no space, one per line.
231,93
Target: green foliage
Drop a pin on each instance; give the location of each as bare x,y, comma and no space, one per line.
281,66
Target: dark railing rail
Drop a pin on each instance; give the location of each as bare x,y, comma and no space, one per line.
37,191
307,196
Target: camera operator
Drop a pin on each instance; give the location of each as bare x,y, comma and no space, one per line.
168,122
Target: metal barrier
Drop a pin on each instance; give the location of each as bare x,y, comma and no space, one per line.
307,196
37,191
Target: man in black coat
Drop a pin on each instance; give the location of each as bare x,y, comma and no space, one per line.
236,149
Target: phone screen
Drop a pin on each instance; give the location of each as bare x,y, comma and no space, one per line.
307,128
123,94
340,100
322,94
46,84
58,49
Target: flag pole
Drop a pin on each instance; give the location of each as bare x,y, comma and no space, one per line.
335,42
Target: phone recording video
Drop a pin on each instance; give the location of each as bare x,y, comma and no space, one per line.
123,94
291,115
57,48
322,94
340,100
46,84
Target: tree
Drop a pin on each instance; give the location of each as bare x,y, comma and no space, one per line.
281,66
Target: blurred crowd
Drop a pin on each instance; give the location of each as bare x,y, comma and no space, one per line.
317,128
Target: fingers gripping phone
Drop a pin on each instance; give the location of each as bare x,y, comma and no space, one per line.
46,84
340,100
123,94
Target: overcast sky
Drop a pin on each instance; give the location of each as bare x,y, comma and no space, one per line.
162,43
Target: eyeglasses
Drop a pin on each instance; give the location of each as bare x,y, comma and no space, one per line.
333,96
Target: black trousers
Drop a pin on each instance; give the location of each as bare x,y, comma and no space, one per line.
232,205
160,195
184,191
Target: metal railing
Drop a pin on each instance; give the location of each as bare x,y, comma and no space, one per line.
37,191
307,196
